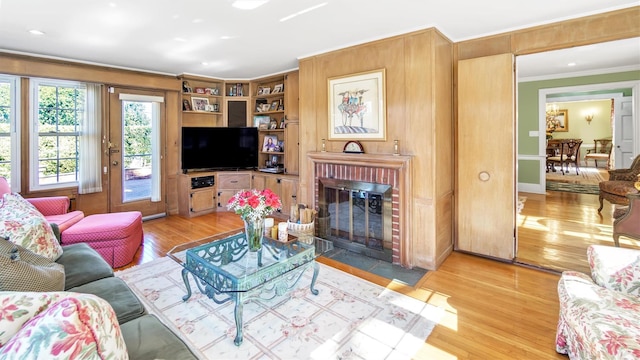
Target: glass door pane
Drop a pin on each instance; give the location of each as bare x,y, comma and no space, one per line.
136,147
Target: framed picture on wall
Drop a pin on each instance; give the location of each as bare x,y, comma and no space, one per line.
357,108
562,120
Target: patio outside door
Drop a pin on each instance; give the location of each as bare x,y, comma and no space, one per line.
135,146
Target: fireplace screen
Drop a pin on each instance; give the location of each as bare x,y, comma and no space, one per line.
356,216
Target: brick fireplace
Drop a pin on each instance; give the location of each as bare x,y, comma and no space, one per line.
373,171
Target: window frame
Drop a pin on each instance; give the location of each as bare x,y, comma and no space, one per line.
34,133
14,130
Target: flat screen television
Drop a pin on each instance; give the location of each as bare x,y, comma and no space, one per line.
219,148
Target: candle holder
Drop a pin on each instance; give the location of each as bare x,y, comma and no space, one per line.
396,152
324,146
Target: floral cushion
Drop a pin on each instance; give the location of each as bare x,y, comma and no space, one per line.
59,325
615,268
25,226
18,307
596,322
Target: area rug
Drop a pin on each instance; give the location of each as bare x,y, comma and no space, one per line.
350,318
521,201
574,188
587,176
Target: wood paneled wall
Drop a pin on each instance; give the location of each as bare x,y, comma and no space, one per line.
56,69
419,114
614,25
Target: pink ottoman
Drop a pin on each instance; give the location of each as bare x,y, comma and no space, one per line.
116,236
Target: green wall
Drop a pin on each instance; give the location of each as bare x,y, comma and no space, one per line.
529,170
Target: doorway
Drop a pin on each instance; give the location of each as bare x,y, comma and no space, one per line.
555,228
136,133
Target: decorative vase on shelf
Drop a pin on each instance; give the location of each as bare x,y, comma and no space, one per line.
254,230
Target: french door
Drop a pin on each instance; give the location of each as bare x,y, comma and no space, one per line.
136,158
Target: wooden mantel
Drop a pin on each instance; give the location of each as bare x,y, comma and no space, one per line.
400,163
370,160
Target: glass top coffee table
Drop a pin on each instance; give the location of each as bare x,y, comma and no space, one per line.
224,269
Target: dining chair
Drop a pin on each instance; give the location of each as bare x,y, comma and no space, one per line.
569,153
601,151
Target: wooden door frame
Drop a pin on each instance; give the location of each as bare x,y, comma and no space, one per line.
543,93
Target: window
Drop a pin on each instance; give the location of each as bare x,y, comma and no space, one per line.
59,113
9,131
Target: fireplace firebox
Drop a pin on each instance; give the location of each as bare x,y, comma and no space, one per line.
356,216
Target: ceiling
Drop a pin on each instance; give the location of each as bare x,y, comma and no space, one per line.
620,55
213,38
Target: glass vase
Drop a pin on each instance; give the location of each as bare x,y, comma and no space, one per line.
254,230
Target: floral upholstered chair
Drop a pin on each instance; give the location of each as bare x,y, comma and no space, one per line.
600,315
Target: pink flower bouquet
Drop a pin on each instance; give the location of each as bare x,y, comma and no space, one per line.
254,204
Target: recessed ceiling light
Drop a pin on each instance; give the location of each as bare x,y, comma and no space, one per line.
571,64
36,32
226,37
248,4
179,39
204,63
196,21
302,12
112,4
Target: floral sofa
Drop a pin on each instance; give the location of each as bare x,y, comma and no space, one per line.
600,315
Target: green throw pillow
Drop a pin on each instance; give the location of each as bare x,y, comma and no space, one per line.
23,270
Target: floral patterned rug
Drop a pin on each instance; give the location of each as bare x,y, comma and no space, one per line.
350,318
521,201
586,176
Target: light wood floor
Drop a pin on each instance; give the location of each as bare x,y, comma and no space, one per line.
555,229
494,310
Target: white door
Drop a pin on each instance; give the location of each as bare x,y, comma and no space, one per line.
623,133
